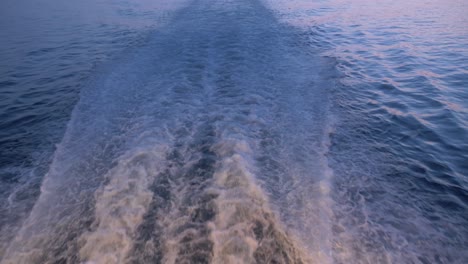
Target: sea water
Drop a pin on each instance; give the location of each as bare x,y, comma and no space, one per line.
222,131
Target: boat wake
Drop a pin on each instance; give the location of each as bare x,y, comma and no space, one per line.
205,145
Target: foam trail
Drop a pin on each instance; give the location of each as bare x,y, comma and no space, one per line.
213,212
120,206
205,145
246,230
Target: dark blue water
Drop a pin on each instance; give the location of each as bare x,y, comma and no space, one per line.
233,131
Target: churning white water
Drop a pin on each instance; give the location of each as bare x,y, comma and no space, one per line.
204,144
233,131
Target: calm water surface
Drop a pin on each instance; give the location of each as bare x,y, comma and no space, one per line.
217,131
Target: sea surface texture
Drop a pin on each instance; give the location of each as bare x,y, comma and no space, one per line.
233,131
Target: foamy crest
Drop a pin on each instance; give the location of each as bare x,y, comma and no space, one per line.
120,206
245,230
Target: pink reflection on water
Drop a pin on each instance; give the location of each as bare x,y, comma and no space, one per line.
420,16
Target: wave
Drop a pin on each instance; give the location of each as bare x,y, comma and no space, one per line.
246,230
120,206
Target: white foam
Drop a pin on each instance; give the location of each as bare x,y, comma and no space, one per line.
245,228
120,206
